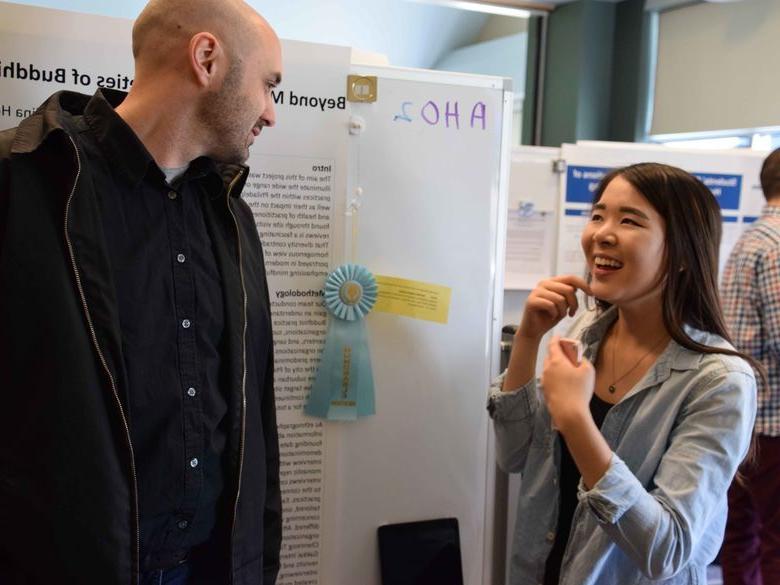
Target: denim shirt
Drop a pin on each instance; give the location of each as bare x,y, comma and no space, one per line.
658,513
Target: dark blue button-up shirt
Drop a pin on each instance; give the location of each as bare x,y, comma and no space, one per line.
170,301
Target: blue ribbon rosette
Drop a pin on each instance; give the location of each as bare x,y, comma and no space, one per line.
344,386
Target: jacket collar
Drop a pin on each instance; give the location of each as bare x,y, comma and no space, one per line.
55,114
231,173
60,113
674,357
130,158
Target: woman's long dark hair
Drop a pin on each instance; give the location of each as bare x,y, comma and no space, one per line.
693,231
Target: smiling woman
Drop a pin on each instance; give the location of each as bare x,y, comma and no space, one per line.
627,456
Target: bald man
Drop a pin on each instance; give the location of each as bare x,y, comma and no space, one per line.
138,438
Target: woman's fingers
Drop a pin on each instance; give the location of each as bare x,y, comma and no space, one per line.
559,292
549,302
558,300
547,306
568,292
575,281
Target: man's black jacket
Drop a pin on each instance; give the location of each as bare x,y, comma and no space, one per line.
68,499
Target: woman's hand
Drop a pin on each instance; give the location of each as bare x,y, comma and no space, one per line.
548,303
567,388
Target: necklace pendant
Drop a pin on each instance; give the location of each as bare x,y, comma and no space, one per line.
612,389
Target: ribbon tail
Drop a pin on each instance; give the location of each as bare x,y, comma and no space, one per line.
344,386
343,402
364,375
327,377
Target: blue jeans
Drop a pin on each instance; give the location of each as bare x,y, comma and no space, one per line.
178,575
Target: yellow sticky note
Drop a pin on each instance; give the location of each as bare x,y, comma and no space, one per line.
411,298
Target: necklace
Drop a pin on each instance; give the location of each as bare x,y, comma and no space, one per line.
613,387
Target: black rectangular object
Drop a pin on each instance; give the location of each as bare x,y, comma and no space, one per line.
421,553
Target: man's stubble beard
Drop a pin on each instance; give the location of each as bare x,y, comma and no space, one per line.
219,115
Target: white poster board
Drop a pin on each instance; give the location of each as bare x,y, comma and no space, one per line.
532,220
433,210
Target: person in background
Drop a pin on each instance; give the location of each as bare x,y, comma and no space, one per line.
626,457
751,301
138,439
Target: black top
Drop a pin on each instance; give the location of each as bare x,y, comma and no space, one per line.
170,303
568,481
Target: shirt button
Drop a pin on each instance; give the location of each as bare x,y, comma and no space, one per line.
550,536
180,258
186,323
194,462
191,392
172,195
183,524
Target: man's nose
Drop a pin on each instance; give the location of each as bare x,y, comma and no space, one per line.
269,115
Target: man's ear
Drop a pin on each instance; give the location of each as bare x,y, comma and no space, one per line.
206,55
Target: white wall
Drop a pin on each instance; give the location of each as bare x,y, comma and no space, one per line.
410,34
504,57
717,68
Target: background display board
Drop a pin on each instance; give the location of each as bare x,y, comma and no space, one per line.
732,176
532,226
427,171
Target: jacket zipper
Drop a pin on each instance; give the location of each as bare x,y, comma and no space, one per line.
102,357
243,367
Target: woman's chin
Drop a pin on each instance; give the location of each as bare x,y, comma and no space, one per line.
603,293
